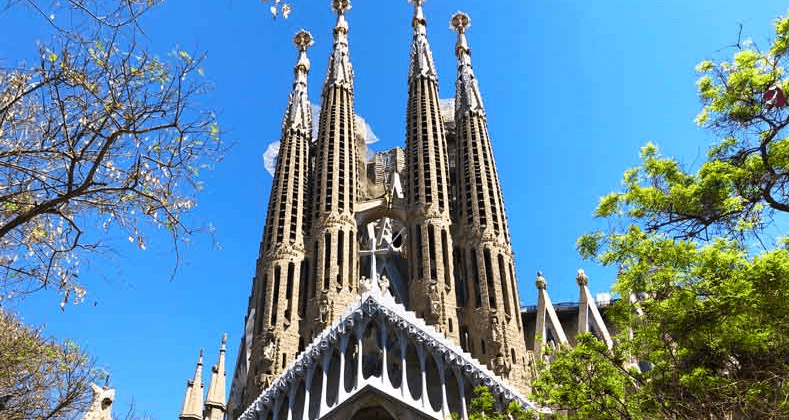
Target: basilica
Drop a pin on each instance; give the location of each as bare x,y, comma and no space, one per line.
385,286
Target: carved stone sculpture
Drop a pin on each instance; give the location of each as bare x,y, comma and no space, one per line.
101,407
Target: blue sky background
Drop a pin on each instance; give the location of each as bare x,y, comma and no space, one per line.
572,90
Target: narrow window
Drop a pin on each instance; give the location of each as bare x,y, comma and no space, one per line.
303,292
340,255
489,275
315,279
326,260
418,247
475,273
431,237
445,254
505,294
460,279
275,295
289,291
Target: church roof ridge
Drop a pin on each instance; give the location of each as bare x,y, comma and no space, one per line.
369,305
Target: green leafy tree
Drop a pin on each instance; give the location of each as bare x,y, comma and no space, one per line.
99,136
483,407
41,378
711,327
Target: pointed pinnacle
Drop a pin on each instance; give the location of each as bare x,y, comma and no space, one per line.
341,6
460,22
303,40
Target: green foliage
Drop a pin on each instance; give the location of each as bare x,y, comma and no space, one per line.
41,378
482,407
710,327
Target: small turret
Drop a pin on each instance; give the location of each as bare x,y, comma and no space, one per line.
215,400
193,400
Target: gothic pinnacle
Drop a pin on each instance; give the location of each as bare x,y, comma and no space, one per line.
302,40
460,22
340,69
467,95
419,21
341,28
421,56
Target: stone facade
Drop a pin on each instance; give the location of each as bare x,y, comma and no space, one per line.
385,288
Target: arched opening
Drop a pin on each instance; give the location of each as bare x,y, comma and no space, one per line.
282,413
298,401
453,391
351,363
333,379
371,351
413,371
372,413
433,382
315,393
394,370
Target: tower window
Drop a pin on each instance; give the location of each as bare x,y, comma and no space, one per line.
275,295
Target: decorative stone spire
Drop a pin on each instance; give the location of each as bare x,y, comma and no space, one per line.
340,69
331,246
193,400
467,95
215,400
421,56
298,115
280,272
432,285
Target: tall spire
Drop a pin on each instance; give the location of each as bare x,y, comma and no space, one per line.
340,69
281,265
193,400
481,233
468,97
429,226
421,56
298,115
215,400
334,191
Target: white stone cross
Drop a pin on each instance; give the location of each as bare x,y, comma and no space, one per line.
373,252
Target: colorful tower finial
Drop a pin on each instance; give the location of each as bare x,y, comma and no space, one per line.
341,6
419,21
302,40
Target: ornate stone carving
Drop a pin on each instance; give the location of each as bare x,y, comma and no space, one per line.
434,301
500,366
101,406
365,285
383,284
496,336
324,309
267,348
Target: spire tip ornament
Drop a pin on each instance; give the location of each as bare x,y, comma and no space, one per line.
460,22
303,40
341,6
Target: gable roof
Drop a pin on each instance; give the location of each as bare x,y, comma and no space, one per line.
373,305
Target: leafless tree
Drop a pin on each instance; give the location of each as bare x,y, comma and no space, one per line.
100,134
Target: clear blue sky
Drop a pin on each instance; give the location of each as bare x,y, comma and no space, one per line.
572,90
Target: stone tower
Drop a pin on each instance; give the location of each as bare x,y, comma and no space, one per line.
421,231
488,304
281,267
427,192
332,243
